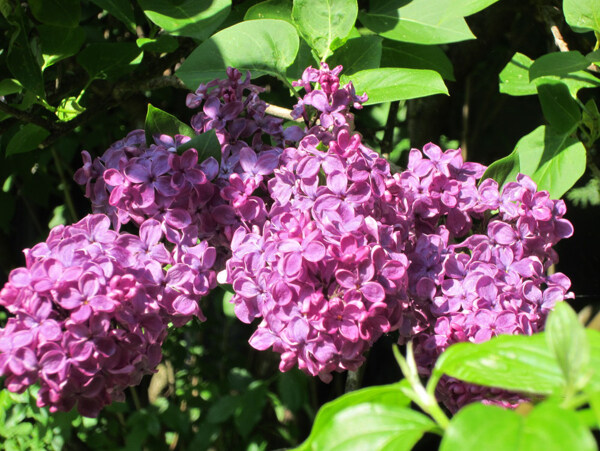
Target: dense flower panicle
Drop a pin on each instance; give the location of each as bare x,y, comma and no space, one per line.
321,242
91,309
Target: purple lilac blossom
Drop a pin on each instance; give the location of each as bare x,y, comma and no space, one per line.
91,309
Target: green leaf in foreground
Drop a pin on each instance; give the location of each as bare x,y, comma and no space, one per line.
206,144
159,122
547,427
389,84
514,78
324,24
519,363
559,107
108,59
263,47
121,10
418,21
63,13
58,43
558,63
194,18
375,418
554,161
582,15
416,56
27,139
270,9
358,54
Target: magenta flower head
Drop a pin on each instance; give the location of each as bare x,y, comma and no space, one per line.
91,309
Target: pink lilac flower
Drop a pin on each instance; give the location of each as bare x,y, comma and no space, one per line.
90,311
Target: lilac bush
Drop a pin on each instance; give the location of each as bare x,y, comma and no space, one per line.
321,242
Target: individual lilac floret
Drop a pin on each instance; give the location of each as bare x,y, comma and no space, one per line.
326,272
489,283
91,309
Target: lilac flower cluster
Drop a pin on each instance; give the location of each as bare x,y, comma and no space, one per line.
91,309
133,181
326,273
492,282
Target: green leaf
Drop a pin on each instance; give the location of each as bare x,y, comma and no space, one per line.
9,86
558,63
58,43
292,389
263,46
358,54
375,418
416,56
554,161
389,84
163,44
566,338
591,118
478,426
27,139
68,109
304,58
582,15
418,21
120,9
559,108
23,64
62,13
193,18
519,363
493,428
593,57
159,122
108,59
593,337
224,408
514,78
253,402
324,24
206,144
467,7
589,194
271,9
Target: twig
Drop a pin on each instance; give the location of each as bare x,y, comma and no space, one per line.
281,112
27,117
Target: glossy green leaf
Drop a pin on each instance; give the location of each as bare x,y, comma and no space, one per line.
567,339
554,161
108,59
375,418
159,122
68,109
559,107
477,427
263,47
162,44
271,9
23,64
9,86
120,9
558,63
194,18
467,7
206,144
514,78
582,15
28,138
418,21
58,43
513,362
547,427
389,84
416,56
304,58
358,54
62,13
324,24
